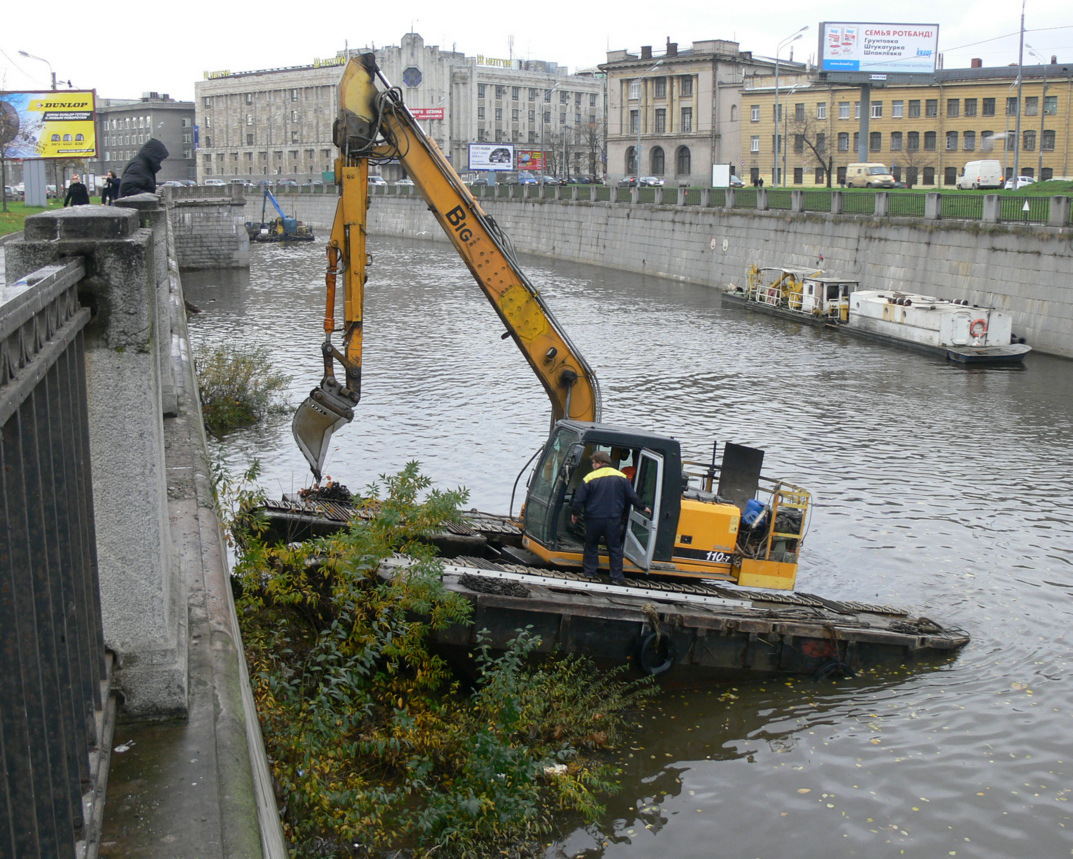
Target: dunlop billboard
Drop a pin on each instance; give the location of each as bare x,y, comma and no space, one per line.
49,124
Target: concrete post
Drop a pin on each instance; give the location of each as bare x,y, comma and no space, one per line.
797,200
705,198
575,193
882,204
657,196
933,206
635,195
838,202
992,209
143,601
1058,212
762,203
681,196
731,198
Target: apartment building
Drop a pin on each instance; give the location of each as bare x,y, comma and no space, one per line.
925,133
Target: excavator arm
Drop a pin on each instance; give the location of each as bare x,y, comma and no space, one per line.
374,126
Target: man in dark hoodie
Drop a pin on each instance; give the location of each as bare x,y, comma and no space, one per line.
139,176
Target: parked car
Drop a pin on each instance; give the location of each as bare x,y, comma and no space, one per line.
628,182
377,181
407,182
553,180
585,180
735,182
483,182
1021,182
286,183
651,182
527,179
215,182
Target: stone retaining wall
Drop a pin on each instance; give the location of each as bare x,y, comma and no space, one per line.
1026,271
209,229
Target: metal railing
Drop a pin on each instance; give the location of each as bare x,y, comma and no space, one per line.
53,687
780,198
858,203
907,205
1024,210
962,207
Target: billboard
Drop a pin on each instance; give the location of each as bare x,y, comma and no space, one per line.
491,156
856,49
531,159
427,112
49,124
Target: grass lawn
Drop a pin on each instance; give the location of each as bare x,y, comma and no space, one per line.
11,220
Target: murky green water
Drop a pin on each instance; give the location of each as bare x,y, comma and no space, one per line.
937,488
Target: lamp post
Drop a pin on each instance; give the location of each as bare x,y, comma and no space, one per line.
640,109
1042,112
52,164
778,49
543,149
566,163
785,134
1020,66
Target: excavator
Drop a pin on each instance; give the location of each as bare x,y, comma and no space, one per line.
725,523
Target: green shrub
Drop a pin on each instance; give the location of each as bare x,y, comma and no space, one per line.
374,744
238,386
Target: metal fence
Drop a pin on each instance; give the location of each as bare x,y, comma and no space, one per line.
780,198
1025,210
962,207
816,201
907,205
859,203
54,664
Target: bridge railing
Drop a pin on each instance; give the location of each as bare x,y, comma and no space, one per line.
55,710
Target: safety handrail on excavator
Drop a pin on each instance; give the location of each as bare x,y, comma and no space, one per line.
374,126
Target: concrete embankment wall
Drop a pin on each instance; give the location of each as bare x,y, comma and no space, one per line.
209,230
1026,271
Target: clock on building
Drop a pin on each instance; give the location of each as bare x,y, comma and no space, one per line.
411,76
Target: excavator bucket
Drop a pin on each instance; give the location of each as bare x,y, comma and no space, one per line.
321,413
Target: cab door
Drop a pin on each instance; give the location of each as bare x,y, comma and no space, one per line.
640,542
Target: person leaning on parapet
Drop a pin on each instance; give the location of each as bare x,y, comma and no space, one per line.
110,188
77,195
602,498
139,176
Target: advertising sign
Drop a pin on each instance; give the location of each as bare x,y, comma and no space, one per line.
878,48
49,124
427,112
531,159
491,156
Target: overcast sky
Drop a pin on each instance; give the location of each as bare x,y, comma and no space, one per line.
122,55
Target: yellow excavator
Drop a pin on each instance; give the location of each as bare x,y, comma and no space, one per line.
727,522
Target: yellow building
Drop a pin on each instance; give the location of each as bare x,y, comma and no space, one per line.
925,133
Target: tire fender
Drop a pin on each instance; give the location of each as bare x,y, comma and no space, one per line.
656,654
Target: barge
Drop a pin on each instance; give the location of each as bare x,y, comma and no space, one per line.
956,330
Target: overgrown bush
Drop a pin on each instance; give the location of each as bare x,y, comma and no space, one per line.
238,386
374,744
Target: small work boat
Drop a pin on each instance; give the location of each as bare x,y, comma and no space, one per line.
962,332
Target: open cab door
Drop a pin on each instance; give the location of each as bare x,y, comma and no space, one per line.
640,543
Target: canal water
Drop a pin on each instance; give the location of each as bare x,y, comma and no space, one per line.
941,489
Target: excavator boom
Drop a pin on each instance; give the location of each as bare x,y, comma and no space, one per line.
374,125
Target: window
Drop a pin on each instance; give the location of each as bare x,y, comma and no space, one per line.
970,107
532,116
249,98
931,107
897,109
821,110
950,175
843,141
754,113
821,142
294,137
1029,141
799,143
592,99
953,107
856,141
514,114
951,141
685,89
989,107
875,141
914,108
515,92
754,143
856,110
661,121
249,119
499,114
658,166
294,116
777,111
1050,105
987,141
500,91
294,95
895,141
249,140
819,176
968,141
1011,105
1011,143
683,161
687,120
635,122
208,103
547,117
877,109
480,90
635,89
1047,141
547,96
480,112
929,141
532,93
659,86
564,98
799,113
843,110
799,175
929,175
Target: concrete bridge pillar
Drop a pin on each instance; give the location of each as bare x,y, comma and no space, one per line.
143,603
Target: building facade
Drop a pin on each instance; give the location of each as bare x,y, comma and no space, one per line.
125,125
925,133
682,110
277,123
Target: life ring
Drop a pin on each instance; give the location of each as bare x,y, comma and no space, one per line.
978,327
656,654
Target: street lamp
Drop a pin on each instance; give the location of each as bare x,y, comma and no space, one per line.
1042,111
785,135
778,49
42,60
543,151
1017,130
640,109
52,164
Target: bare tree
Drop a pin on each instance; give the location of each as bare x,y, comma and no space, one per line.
593,135
12,137
813,134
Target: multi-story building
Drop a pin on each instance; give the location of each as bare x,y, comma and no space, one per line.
277,123
682,110
925,132
125,125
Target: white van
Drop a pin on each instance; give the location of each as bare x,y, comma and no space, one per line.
868,175
981,174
